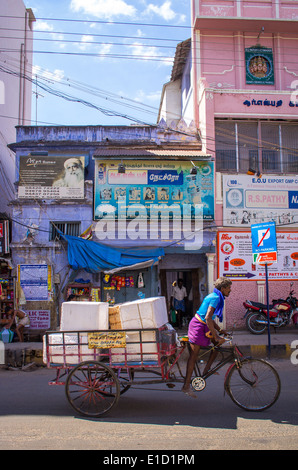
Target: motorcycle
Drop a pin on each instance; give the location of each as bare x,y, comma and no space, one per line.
281,313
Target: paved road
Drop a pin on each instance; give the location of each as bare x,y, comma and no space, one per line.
34,415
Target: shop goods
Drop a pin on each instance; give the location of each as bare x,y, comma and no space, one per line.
141,346
143,313
75,345
84,316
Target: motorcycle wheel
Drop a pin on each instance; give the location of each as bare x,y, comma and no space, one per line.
252,325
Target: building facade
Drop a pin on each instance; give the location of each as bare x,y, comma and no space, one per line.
127,188
238,83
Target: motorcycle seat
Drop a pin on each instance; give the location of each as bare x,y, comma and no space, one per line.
260,306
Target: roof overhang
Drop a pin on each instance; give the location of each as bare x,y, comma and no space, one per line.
151,154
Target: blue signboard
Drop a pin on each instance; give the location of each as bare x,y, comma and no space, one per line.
263,238
147,187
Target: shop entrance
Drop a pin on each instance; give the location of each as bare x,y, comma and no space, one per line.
190,281
127,286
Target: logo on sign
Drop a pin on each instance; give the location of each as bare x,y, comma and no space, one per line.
263,234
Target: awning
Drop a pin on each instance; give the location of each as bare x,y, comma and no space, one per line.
175,154
95,257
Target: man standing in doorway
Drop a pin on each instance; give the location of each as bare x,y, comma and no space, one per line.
178,298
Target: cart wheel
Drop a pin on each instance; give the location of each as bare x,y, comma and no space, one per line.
92,388
125,378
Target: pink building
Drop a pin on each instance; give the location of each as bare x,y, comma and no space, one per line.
239,84
16,23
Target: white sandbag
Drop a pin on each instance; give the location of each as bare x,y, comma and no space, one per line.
67,348
84,316
138,348
143,313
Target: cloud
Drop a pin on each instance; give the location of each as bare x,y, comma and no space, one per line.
56,76
43,26
165,11
144,52
105,9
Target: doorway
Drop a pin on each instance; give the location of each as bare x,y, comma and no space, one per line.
190,281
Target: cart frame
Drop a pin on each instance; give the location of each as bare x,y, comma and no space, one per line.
96,377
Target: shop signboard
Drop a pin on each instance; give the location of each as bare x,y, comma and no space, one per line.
153,189
4,237
51,177
234,249
250,200
39,319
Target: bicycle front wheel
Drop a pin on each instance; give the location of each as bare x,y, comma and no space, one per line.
253,385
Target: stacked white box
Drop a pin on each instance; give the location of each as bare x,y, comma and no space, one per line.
143,313
137,349
67,348
84,316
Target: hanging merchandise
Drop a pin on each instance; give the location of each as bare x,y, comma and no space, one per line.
140,281
129,282
106,279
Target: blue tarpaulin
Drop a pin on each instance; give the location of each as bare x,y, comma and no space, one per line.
95,257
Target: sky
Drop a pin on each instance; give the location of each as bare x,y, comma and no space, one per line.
107,64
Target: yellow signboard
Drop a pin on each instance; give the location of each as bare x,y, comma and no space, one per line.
113,339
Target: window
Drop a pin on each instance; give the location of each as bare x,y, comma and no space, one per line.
67,228
268,147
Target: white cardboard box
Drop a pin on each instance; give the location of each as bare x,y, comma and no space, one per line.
133,348
75,345
84,316
143,313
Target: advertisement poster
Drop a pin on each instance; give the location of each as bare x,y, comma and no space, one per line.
149,186
250,200
259,65
235,260
34,280
39,319
53,177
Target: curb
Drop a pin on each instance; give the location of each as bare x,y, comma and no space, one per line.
280,351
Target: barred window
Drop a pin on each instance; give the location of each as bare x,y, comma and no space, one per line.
67,228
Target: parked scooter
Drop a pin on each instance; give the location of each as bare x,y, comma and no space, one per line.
281,313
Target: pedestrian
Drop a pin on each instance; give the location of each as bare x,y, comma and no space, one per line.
21,321
178,298
202,328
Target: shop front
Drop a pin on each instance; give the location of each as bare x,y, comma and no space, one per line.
157,204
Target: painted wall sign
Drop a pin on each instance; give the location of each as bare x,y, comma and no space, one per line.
268,102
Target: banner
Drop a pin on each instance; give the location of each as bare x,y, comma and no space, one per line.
250,200
52,177
235,258
153,189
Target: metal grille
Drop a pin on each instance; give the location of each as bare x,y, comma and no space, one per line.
67,228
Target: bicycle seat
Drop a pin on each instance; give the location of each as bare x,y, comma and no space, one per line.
183,339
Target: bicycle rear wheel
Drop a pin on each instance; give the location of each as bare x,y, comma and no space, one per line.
254,385
92,388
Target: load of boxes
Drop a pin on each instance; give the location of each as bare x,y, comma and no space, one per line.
70,344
